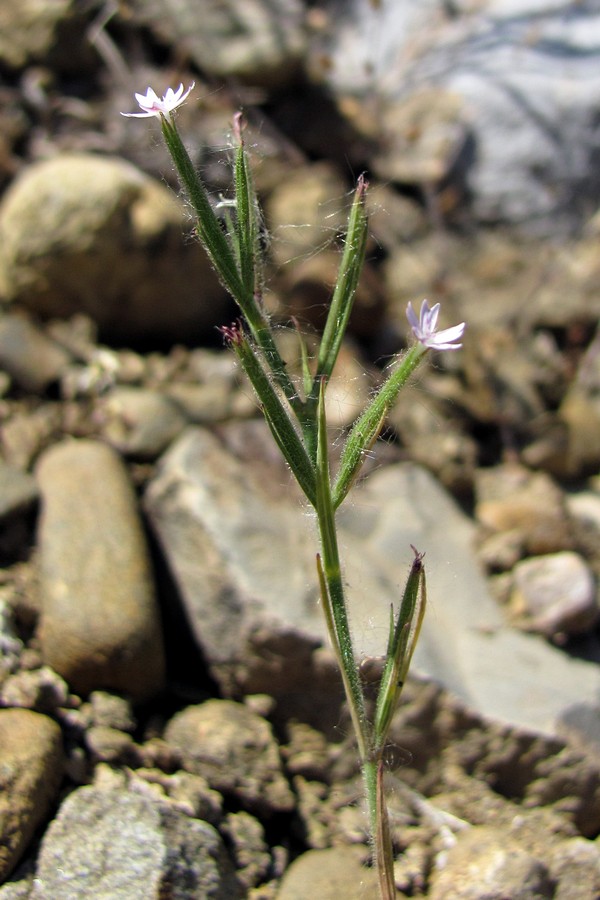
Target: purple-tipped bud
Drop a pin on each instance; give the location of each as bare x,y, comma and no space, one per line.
233,334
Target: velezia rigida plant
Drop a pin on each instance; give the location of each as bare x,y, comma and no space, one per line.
298,423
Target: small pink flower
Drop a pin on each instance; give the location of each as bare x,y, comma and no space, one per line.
424,328
154,106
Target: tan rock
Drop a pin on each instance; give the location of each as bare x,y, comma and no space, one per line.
511,498
100,625
305,212
485,863
82,233
235,750
31,768
329,874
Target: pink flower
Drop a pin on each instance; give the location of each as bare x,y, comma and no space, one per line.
154,106
424,328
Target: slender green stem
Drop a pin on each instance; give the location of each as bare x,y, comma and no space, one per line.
334,593
384,853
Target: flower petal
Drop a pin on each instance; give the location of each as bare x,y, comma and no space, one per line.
152,105
412,316
424,328
429,317
451,334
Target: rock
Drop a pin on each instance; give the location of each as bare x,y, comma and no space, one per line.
37,32
539,785
112,711
580,410
584,509
511,498
26,433
11,646
40,689
205,404
304,211
329,874
484,864
249,848
585,506
32,360
210,388
583,857
17,890
243,560
106,744
569,781
188,793
251,41
554,595
18,492
464,644
242,555
88,234
100,625
307,284
235,750
139,423
523,121
511,364
421,138
433,440
501,550
348,389
31,769
130,848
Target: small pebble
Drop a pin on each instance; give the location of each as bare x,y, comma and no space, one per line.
554,595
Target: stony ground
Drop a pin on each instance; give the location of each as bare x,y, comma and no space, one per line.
171,722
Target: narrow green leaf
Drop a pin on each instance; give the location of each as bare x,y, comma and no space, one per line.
275,412
348,274
401,646
365,430
247,214
306,373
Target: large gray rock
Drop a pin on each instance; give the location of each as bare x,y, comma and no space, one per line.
522,78
242,554
88,234
100,624
117,844
466,643
243,560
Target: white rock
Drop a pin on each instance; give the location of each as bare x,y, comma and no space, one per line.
526,75
554,595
